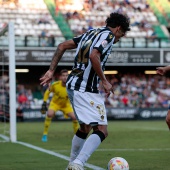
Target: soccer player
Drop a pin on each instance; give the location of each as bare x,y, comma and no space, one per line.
165,71
92,50
60,102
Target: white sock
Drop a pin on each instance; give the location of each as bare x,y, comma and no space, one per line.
91,144
77,144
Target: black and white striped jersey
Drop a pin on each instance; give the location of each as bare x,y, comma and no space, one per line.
83,77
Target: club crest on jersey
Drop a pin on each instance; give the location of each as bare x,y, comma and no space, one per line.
102,117
92,103
110,36
104,43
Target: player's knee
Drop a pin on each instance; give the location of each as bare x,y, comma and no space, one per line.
85,128
50,115
101,135
81,134
72,116
168,120
168,117
102,128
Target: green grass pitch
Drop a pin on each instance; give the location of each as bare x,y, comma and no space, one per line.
144,144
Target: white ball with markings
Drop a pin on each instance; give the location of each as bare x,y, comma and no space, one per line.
118,163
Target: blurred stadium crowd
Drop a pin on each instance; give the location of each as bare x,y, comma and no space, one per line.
48,22
131,90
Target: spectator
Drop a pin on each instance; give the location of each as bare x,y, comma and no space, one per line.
38,94
29,97
90,25
44,19
51,41
44,38
19,112
145,91
22,99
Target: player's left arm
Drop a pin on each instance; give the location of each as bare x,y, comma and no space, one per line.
46,95
44,104
95,60
62,47
103,44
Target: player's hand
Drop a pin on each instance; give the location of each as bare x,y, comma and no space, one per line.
108,88
44,108
47,78
160,70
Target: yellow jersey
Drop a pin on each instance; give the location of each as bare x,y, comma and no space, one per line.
60,96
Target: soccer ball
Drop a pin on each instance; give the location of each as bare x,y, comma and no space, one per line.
118,163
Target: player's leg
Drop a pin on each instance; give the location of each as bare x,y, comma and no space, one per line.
50,114
78,141
168,119
48,119
80,136
74,121
91,144
90,110
68,112
77,144
47,122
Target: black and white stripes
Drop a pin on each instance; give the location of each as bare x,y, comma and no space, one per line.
83,77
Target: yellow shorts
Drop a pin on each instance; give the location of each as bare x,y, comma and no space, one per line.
66,110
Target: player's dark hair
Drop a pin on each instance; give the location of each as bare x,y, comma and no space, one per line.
117,19
63,71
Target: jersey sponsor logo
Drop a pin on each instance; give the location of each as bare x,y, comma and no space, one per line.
104,43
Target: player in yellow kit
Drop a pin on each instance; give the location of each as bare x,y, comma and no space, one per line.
59,101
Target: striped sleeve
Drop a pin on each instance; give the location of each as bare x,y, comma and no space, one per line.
77,39
103,42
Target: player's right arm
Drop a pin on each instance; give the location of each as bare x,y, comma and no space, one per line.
62,47
163,70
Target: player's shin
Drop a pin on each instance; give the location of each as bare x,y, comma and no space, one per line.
91,144
77,144
47,124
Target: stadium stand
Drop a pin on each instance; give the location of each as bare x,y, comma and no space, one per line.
31,19
142,17
48,22
131,90
60,20
39,21
139,90
144,22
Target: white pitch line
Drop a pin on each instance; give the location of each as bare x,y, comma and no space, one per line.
50,152
57,155
137,149
4,137
130,149
98,150
148,128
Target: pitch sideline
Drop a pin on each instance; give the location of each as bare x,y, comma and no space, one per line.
50,152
